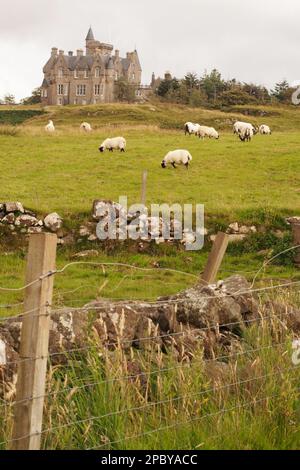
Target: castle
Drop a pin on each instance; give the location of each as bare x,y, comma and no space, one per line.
89,78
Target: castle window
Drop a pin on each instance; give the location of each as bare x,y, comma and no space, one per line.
44,93
60,89
81,90
97,72
133,76
116,76
97,90
86,74
60,72
75,73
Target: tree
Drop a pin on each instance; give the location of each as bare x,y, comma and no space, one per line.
124,91
282,91
191,81
9,99
35,98
212,84
168,86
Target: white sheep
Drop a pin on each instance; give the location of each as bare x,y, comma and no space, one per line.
244,130
177,157
191,128
246,134
116,143
265,130
86,127
50,127
205,131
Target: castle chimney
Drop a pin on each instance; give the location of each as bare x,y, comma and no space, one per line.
61,52
54,51
128,55
70,53
117,53
79,52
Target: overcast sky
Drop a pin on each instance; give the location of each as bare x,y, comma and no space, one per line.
256,40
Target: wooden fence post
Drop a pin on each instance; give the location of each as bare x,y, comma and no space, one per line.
215,259
144,188
28,412
296,240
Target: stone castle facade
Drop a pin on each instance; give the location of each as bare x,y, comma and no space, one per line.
89,78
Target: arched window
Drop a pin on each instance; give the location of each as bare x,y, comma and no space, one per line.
60,72
97,72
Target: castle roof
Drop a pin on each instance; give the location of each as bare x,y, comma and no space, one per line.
90,35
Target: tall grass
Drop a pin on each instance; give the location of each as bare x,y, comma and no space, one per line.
148,399
9,131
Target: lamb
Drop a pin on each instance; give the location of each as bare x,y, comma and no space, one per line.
177,157
265,130
210,132
113,144
86,127
50,127
191,128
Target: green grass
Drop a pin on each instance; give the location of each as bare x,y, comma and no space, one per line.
255,183
65,173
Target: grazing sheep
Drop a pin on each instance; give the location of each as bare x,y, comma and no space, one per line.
177,157
265,130
86,127
246,134
50,127
239,126
117,143
191,128
210,132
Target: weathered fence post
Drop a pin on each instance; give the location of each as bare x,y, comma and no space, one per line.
32,368
295,222
215,259
144,188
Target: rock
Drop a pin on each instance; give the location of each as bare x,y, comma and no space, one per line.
26,220
287,313
53,222
101,208
86,254
233,228
84,231
9,218
293,220
14,207
92,238
245,230
234,238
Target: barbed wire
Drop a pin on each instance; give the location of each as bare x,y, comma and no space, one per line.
183,423
131,266
188,365
119,342
140,408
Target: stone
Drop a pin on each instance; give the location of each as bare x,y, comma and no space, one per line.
233,228
9,218
102,207
92,238
35,230
86,254
53,222
26,220
14,207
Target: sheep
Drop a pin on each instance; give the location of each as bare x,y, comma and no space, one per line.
191,128
86,127
246,134
113,144
177,157
50,127
239,126
265,130
210,132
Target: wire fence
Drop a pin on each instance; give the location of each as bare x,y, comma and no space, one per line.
252,355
